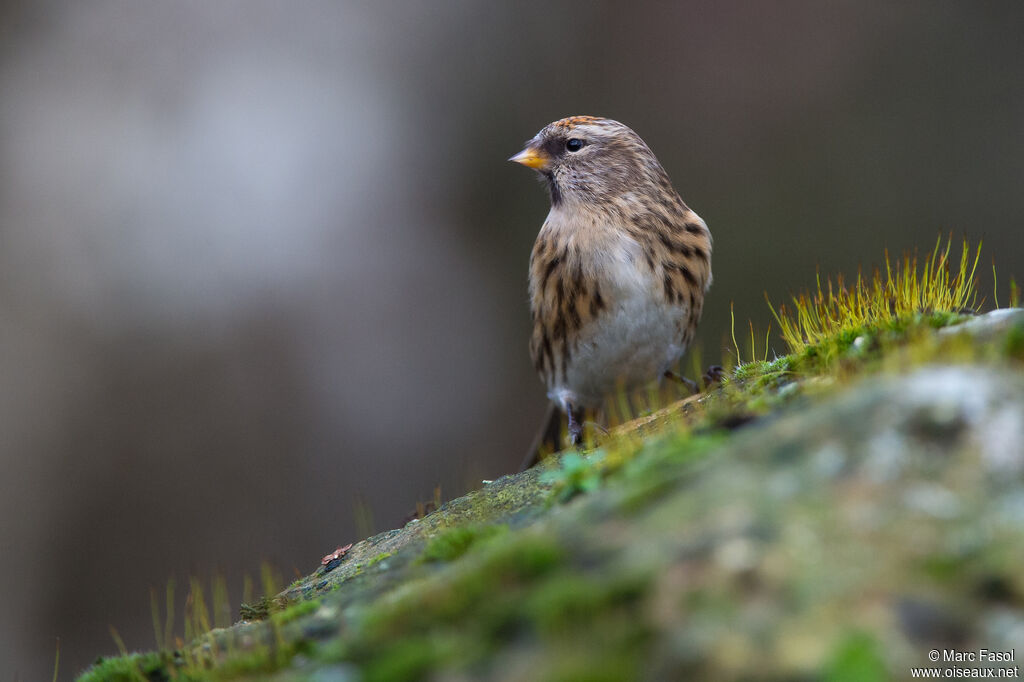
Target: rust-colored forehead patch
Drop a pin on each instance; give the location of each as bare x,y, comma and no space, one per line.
573,121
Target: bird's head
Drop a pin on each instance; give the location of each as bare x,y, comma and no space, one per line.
591,160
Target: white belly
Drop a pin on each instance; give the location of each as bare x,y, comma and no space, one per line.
631,343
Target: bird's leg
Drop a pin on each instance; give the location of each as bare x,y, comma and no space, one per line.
711,377
575,424
689,383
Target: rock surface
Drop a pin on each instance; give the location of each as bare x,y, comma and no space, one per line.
856,525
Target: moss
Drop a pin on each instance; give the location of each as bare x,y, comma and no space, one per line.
499,618
454,542
498,569
942,318
260,659
510,498
574,475
942,568
295,611
524,557
566,601
131,668
859,349
259,609
406,660
661,466
508,586
1013,343
857,658
591,667
905,292
379,558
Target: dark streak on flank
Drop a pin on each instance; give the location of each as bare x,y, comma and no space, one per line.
574,314
690,279
687,275
552,264
674,245
596,303
670,292
559,330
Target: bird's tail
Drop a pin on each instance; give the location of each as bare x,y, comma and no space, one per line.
548,438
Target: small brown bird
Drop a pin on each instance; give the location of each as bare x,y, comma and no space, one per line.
619,270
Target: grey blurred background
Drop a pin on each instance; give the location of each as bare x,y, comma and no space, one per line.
264,264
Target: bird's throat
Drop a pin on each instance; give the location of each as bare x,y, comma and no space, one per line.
553,188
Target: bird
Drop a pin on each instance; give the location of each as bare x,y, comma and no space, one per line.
618,272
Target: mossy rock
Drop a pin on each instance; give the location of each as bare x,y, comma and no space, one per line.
858,519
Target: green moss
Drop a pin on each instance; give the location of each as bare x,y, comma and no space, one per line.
943,318
524,557
406,660
906,291
500,568
507,586
563,601
454,542
131,668
574,475
856,349
260,659
660,466
295,611
567,601
257,610
858,658
379,558
591,667
1013,344
760,375
943,568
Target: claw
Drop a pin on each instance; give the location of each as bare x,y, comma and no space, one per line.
713,376
575,427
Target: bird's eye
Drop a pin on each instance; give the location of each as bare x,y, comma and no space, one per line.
574,144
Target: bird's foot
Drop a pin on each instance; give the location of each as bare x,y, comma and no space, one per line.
575,426
575,433
713,376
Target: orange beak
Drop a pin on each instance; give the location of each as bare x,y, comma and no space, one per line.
532,158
